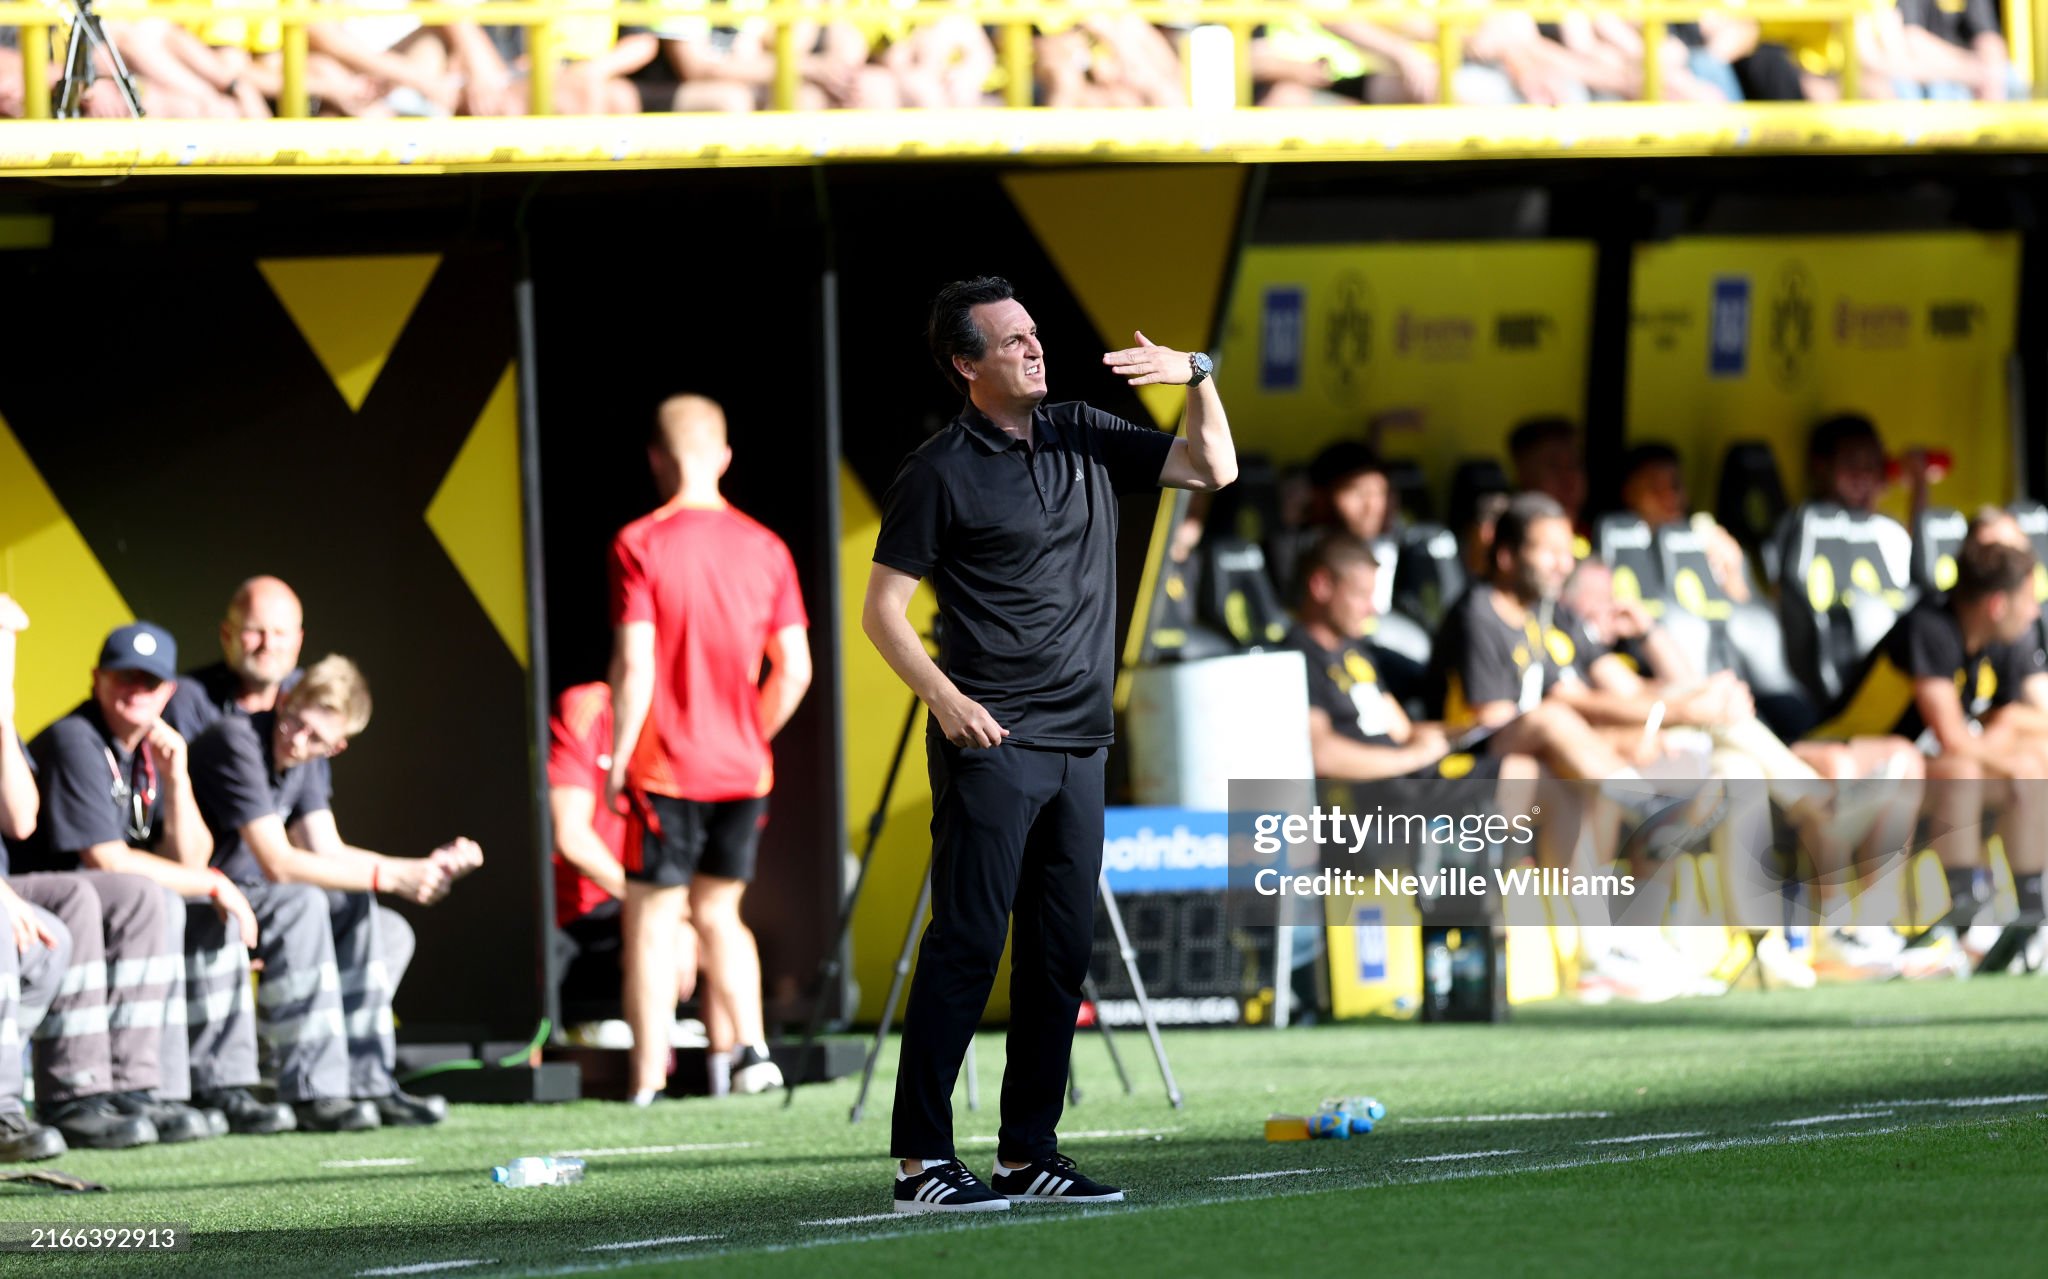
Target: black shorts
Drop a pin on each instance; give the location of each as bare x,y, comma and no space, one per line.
671,840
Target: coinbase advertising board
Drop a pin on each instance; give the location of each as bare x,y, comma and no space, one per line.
1165,850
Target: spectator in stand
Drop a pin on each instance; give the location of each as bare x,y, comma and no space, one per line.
1108,57
1956,51
733,68
946,63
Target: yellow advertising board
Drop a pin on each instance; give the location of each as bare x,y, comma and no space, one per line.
1759,337
1320,339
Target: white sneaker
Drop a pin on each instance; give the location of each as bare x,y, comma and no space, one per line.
601,1034
753,1071
688,1033
1857,954
1780,965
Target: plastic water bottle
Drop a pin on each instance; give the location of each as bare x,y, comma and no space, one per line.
1357,1107
539,1170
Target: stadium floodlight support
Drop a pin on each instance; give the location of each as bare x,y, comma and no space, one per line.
829,967
1013,19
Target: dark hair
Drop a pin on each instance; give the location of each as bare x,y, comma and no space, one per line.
1642,455
1536,432
1831,434
952,330
1990,568
1524,509
1341,461
1331,553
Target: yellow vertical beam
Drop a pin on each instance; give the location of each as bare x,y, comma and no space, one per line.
1852,65
35,71
784,94
293,102
1017,64
2030,50
540,78
1247,88
1653,60
1450,55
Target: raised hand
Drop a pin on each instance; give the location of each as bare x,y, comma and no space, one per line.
1149,364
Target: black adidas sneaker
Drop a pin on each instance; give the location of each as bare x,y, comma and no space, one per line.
1053,1180
946,1187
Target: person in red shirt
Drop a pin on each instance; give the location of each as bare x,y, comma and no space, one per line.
590,841
701,597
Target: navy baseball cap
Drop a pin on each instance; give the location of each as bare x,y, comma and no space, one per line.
141,646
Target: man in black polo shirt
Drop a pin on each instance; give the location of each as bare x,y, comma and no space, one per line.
332,958
260,639
1011,512
1944,677
113,784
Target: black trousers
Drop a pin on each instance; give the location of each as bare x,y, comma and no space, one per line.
1016,831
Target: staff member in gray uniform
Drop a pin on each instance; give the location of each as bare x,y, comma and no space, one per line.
118,797
1011,511
107,1075
324,1007
35,947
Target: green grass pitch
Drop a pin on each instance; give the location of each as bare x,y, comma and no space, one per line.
1873,1130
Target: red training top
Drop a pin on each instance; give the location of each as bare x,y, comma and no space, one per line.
716,585
580,755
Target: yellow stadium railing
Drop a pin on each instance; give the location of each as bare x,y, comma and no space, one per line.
1015,20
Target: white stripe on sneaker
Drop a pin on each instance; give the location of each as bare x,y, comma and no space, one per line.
1038,1182
1064,1186
945,1193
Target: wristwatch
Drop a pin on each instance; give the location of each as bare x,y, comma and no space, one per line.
1199,362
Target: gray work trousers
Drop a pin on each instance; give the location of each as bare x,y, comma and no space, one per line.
331,963
104,1030
28,982
212,1001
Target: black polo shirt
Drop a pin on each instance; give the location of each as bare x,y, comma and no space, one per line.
1480,658
201,698
93,792
1344,683
1019,542
235,783
1926,643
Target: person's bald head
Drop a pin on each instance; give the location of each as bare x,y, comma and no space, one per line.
1994,525
263,631
688,445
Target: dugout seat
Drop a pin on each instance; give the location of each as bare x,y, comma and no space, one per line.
1755,649
1937,536
1402,647
1473,479
1846,578
1410,488
1750,500
1627,546
1237,596
1249,508
1428,575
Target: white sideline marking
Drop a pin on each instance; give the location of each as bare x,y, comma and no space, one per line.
925,1227
649,1243
1261,1176
425,1267
2011,1099
660,1150
366,1163
1648,1136
853,1221
1830,1119
1083,1136
1475,1154
1497,1119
